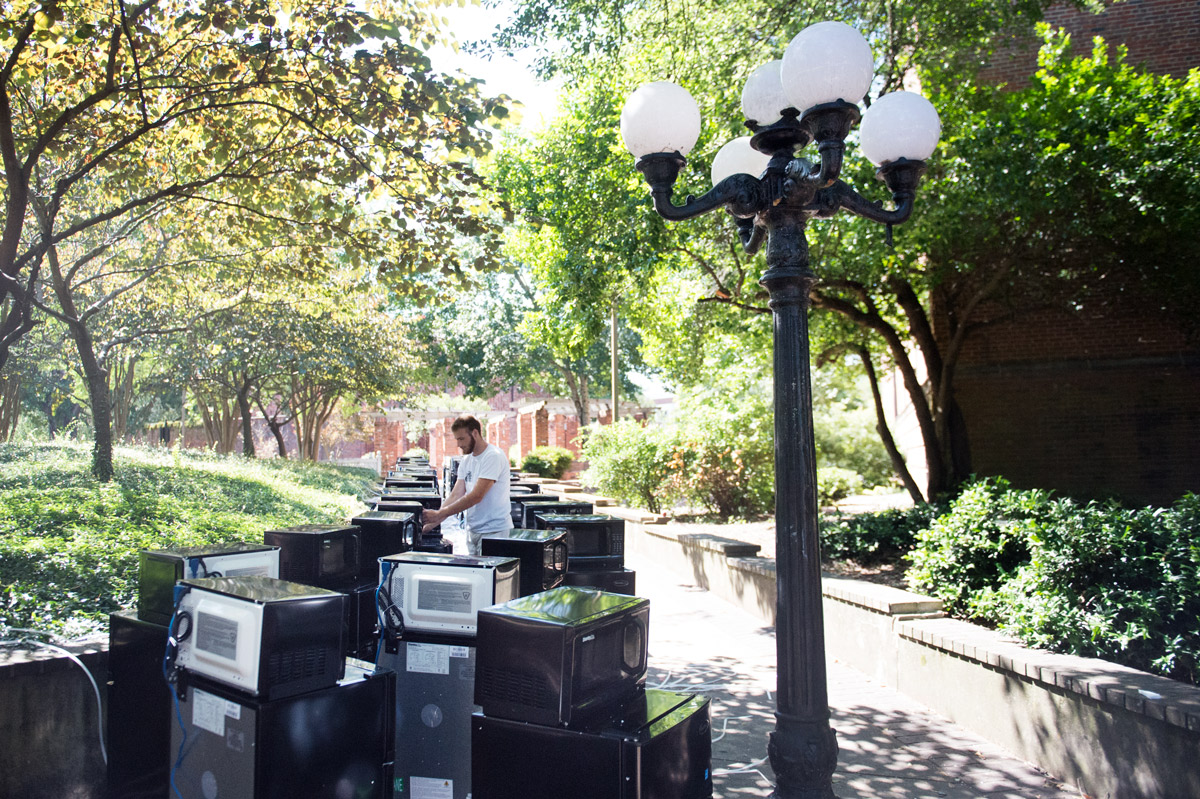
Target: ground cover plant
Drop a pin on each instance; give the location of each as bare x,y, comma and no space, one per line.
69,543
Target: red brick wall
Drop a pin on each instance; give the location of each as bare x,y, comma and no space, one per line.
1161,35
441,441
563,430
1090,428
1096,402
500,433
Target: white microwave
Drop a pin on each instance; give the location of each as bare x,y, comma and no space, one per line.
160,569
431,592
267,637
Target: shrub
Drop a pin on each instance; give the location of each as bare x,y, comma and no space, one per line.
875,537
631,463
550,462
977,545
1110,582
834,483
725,459
416,452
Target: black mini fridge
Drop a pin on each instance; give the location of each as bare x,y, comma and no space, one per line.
327,744
139,709
655,745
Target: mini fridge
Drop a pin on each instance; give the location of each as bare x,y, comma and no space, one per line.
654,745
327,744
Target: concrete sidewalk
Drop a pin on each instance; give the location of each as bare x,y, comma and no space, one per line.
889,746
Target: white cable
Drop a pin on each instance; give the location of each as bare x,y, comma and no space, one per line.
76,661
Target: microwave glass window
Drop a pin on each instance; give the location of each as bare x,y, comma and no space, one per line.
446,597
588,541
217,635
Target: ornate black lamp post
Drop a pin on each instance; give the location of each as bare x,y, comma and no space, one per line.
771,193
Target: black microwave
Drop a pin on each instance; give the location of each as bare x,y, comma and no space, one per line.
323,555
517,503
593,541
560,657
382,533
426,496
543,556
532,510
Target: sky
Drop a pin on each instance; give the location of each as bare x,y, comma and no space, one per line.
502,75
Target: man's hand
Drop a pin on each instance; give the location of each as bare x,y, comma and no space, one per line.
431,519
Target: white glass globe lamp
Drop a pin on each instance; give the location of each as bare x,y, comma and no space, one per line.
738,157
660,117
826,62
763,99
899,125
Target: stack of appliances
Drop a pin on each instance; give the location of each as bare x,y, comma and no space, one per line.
381,532
532,506
139,700
450,472
518,501
564,711
542,553
429,499
331,556
267,706
429,605
596,550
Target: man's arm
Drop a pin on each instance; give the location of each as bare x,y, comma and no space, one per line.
457,502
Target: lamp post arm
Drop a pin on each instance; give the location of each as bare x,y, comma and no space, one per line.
751,234
847,198
741,194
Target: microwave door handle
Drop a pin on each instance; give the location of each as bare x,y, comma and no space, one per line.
640,666
357,551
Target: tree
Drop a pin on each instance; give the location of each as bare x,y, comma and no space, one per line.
290,123
1068,193
500,332
987,231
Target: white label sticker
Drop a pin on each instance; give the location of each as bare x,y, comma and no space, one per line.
233,710
460,651
431,788
429,659
208,712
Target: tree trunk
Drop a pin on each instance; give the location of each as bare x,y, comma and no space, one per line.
577,388
220,424
94,373
885,433
243,403
276,429
930,404
10,406
121,392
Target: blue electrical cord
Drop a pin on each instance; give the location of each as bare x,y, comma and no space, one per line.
171,676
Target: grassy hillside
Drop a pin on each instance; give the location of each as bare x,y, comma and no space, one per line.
69,545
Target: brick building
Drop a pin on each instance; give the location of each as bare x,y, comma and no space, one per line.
516,424
1092,402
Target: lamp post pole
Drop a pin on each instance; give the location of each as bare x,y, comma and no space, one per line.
771,194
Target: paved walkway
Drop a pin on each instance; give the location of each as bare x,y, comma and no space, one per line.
889,746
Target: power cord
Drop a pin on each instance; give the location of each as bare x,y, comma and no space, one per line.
172,673
26,641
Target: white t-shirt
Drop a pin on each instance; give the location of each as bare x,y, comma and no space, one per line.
493,513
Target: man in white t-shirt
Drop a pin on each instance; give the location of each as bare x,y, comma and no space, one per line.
481,493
